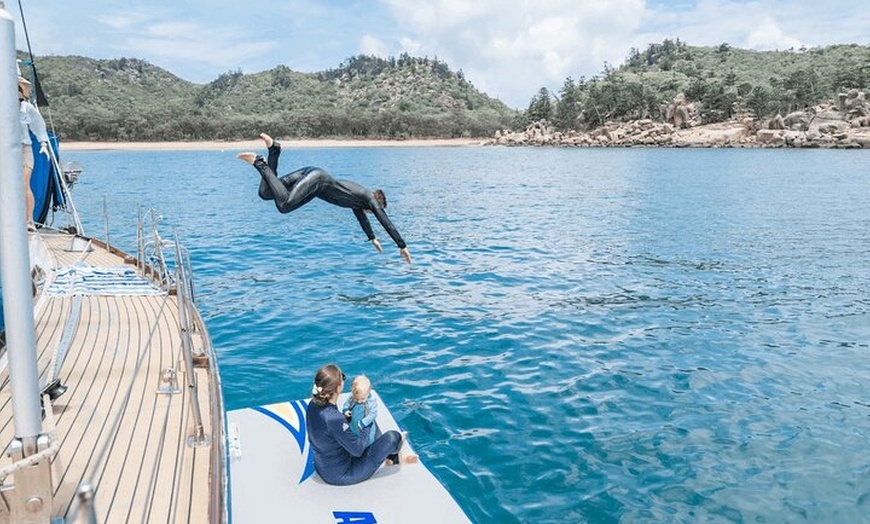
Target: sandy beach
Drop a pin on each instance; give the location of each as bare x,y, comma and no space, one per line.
255,145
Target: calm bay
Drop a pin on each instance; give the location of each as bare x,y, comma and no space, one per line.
585,335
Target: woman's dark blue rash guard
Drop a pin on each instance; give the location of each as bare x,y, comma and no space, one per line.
340,455
299,187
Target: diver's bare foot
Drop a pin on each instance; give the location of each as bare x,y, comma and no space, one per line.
388,462
247,157
267,140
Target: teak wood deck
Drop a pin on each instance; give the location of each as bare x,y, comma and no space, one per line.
115,427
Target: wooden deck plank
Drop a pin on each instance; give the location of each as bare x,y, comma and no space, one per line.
127,401
119,346
147,443
138,414
89,376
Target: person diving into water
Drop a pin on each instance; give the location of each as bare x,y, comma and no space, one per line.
297,188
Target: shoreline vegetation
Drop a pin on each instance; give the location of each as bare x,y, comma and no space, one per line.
257,145
823,128
669,95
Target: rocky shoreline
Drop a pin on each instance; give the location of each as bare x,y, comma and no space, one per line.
844,125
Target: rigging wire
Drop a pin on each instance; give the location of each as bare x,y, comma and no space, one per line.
42,102
41,99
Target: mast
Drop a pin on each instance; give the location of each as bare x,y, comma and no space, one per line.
30,500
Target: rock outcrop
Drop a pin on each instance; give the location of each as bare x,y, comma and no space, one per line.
678,112
844,125
797,121
777,122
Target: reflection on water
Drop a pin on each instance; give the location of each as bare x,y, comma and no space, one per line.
584,335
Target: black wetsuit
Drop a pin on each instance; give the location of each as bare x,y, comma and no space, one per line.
299,187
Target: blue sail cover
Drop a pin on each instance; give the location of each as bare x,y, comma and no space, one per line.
44,183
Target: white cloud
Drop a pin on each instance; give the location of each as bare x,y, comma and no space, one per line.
767,35
175,30
507,48
410,46
513,47
121,22
184,46
179,54
764,24
370,45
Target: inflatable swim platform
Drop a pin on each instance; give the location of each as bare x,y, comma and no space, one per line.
272,477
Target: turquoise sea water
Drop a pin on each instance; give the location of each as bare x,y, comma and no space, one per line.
584,335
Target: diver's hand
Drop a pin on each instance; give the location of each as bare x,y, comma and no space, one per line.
405,254
377,245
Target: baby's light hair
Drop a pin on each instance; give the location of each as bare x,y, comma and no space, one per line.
361,387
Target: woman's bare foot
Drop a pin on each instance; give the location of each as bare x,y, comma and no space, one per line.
267,140
406,458
247,157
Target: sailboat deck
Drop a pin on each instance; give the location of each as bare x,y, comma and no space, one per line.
117,430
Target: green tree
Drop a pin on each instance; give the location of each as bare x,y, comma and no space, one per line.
568,105
717,104
760,101
541,106
803,87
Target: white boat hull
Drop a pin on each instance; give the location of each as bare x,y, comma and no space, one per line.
273,480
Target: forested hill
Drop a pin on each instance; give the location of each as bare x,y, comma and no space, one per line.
367,97
720,81
132,100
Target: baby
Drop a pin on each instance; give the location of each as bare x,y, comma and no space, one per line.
361,407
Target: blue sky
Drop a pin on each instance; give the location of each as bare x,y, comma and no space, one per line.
506,48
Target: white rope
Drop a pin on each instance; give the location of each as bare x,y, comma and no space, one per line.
46,454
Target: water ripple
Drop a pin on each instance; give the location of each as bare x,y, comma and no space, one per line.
584,336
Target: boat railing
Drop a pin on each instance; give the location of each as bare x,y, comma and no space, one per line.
151,262
69,204
151,257
185,305
190,321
